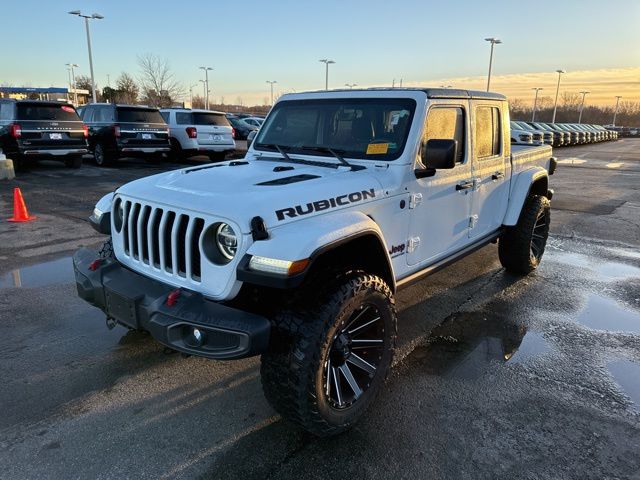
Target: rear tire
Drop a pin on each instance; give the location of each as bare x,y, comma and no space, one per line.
103,159
176,154
311,373
73,162
521,247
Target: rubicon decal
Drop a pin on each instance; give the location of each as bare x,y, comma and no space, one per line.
325,204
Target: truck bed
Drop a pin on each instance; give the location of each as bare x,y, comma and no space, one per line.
527,156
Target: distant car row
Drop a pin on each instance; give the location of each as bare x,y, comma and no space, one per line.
32,130
559,134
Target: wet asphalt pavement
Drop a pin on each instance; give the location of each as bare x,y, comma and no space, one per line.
496,376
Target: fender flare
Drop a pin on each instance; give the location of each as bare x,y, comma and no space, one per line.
521,189
310,239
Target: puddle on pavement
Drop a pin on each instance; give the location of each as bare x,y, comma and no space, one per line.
627,374
605,270
48,273
465,345
602,313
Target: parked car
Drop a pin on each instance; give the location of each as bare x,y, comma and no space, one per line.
199,132
33,130
570,138
125,131
540,135
297,252
579,136
558,137
241,128
520,135
255,121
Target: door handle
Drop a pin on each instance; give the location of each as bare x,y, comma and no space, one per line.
497,176
465,185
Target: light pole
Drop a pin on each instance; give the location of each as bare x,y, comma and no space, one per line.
73,85
205,91
494,41
535,103
206,80
191,94
615,112
555,105
95,16
351,85
271,82
584,94
326,62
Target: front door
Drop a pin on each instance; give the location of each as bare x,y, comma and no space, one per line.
441,204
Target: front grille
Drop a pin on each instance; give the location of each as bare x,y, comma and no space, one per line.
162,239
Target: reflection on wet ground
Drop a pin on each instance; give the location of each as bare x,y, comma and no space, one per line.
627,375
602,313
40,275
605,270
465,344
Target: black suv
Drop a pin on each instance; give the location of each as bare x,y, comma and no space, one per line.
125,131
35,130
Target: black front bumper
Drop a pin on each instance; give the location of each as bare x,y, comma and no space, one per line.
141,303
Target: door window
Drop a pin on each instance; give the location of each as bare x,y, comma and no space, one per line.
183,118
447,123
487,132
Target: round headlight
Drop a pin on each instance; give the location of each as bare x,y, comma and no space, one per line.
227,241
118,216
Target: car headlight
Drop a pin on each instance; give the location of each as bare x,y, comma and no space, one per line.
227,241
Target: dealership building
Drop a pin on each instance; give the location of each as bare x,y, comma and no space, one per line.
61,94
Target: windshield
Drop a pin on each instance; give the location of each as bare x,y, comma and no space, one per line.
34,111
139,115
218,119
371,129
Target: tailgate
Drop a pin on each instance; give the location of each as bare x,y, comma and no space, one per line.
214,135
144,135
45,134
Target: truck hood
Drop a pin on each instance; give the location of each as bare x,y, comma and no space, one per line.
280,192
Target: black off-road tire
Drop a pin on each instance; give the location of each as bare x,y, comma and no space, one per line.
521,247
303,340
106,251
101,156
73,162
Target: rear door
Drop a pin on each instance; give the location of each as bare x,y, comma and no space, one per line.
213,128
142,127
49,126
491,151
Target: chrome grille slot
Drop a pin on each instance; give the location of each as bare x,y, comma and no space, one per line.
162,240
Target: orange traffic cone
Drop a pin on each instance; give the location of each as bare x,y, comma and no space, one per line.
20,213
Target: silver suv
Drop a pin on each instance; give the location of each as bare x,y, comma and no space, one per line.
198,132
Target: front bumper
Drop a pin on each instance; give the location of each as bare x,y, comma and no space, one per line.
141,303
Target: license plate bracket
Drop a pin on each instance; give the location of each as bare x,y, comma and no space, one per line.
147,136
121,308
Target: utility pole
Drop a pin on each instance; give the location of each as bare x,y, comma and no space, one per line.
494,41
271,82
555,106
535,103
326,62
615,112
93,16
191,94
584,94
204,90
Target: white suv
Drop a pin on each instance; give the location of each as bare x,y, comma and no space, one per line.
199,132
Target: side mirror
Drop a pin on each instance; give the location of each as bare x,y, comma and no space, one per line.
251,137
437,154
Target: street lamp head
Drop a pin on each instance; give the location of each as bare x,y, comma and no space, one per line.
97,16
537,88
330,61
561,71
75,12
493,40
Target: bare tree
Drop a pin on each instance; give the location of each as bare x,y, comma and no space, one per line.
570,100
126,89
198,101
159,86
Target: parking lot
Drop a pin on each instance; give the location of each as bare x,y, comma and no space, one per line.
495,376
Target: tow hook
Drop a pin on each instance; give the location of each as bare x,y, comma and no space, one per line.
111,323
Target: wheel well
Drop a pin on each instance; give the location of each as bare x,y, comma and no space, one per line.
365,253
540,187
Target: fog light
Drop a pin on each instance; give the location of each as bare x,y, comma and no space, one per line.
198,337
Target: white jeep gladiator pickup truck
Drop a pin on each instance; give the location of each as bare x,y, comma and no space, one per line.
295,252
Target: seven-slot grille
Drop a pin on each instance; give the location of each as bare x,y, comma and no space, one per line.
162,239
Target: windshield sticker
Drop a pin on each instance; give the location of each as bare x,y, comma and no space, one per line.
377,148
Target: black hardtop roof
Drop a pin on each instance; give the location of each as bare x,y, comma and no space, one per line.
431,92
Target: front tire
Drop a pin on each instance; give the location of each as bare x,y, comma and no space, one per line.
521,247
328,359
103,159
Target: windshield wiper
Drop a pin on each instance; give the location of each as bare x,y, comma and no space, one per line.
334,152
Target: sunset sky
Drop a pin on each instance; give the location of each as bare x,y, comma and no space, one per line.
424,42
